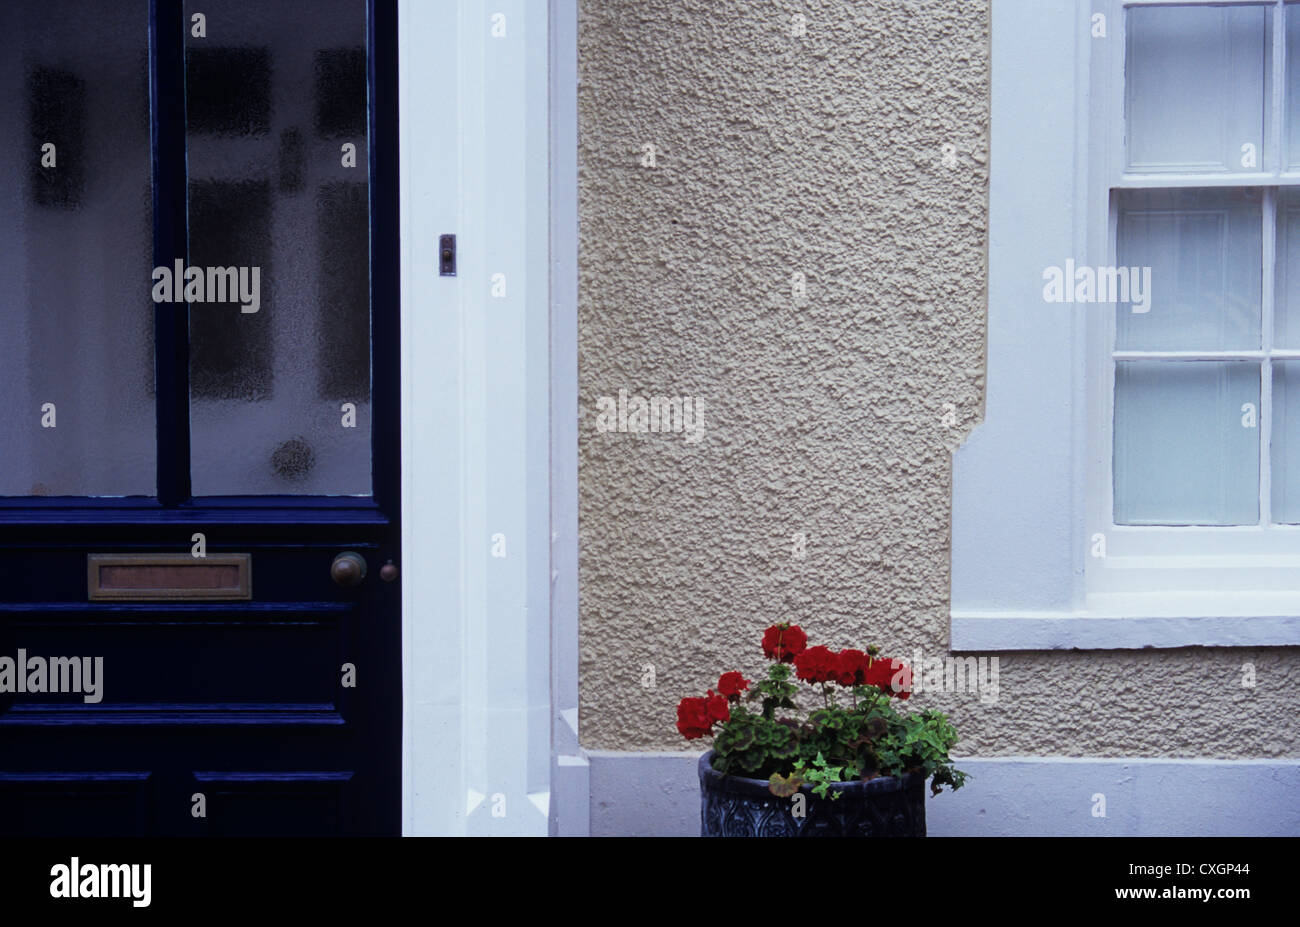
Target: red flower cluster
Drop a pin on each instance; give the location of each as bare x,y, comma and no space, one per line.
788,643
817,664
854,668
732,684
784,642
696,716
900,682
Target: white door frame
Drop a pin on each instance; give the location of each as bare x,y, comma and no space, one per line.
477,430
570,781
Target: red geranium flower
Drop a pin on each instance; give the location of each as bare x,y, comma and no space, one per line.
717,708
732,684
879,673
693,718
784,642
901,682
894,677
852,668
817,664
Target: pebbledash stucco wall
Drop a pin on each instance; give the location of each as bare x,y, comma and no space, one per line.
822,155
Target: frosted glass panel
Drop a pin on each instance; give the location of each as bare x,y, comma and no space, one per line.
1196,84
276,138
76,250
1287,292
1204,251
1185,451
1293,84
1285,452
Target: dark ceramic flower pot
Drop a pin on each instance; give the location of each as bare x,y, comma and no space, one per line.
733,806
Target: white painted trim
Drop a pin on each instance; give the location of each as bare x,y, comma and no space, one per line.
1195,2
427,57
1017,493
570,813
1132,630
1169,179
475,420
657,794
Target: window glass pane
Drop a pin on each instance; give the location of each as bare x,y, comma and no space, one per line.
1196,79
276,140
1286,315
1186,452
76,250
1286,442
1203,248
1293,84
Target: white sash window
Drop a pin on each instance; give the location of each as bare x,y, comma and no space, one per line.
1159,427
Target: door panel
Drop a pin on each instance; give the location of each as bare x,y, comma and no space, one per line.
270,434
309,804
58,804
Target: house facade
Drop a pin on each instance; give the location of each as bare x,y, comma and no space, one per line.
684,319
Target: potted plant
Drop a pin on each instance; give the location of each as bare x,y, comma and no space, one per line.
856,766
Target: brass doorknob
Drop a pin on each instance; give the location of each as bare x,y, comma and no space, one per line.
348,568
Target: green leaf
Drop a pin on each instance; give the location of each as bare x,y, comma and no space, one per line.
783,786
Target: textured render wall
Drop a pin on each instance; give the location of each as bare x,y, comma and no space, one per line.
823,155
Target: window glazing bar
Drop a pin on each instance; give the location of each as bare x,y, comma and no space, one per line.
171,320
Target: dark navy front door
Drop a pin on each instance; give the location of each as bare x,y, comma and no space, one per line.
199,436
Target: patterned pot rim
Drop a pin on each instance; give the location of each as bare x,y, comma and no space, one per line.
715,781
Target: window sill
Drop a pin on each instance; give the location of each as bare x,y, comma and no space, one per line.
1138,621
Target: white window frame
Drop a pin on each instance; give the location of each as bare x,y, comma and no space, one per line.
1031,486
